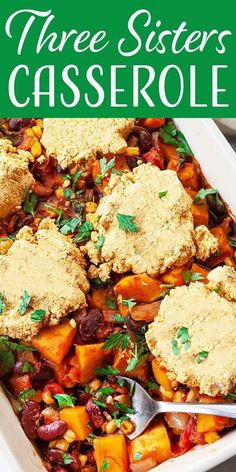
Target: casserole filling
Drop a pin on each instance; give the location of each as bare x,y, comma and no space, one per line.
118,259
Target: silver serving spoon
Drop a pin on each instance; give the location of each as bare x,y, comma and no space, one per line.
146,408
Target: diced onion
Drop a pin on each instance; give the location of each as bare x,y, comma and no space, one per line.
177,420
143,466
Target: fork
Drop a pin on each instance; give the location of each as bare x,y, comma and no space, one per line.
146,408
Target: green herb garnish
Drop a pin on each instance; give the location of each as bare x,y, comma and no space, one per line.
26,395
203,193
108,370
116,340
105,166
30,203
15,346
101,404
118,318
84,232
116,172
170,135
37,316
66,458
127,223
153,385
104,392
163,194
2,304
183,335
65,400
201,356
138,358
137,456
189,277
69,226
24,303
75,180
231,396
27,367
110,303
100,242
175,347
105,465
129,303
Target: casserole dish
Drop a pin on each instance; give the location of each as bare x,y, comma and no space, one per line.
217,161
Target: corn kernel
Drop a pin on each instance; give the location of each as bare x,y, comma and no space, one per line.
132,151
111,426
39,123
59,193
95,384
179,397
36,149
62,444
69,436
82,459
90,207
211,437
4,246
37,131
47,398
166,393
30,133
66,183
127,427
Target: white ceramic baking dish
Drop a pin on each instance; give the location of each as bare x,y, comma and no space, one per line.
218,162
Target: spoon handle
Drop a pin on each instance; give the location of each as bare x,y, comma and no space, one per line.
219,409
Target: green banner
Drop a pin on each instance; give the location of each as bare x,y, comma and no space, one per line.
104,59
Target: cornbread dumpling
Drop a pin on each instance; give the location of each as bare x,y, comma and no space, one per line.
15,178
223,280
51,269
76,141
193,337
160,210
206,243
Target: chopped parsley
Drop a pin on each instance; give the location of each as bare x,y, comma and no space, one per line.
129,303
232,242
110,303
66,458
16,346
100,242
118,318
127,223
2,304
192,277
91,437
75,180
27,367
101,404
203,193
65,400
116,172
30,203
183,335
105,465
108,370
137,456
138,358
124,408
167,286
104,392
7,360
84,232
98,283
116,340
170,135
69,226
24,303
175,347
105,166
201,356
231,396
37,316
163,194
153,385
26,395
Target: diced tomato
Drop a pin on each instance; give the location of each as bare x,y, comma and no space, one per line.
19,384
188,437
155,156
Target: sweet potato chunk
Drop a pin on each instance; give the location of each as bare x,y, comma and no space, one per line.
89,358
145,312
154,443
189,176
78,421
206,423
112,451
199,211
153,123
140,287
170,152
55,342
99,297
174,276
160,375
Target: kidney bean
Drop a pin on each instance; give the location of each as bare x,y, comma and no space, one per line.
95,414
30,419
144,139
90,457
60,469
104,331
49,432
83,397
89,324
18,368
42,372
132,162
132,325
17,123
56,455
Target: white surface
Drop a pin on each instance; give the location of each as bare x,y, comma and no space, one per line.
218,163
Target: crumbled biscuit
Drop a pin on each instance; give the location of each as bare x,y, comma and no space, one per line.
223,280
76,141
206,243
15,178
210,321
165,235
51,269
